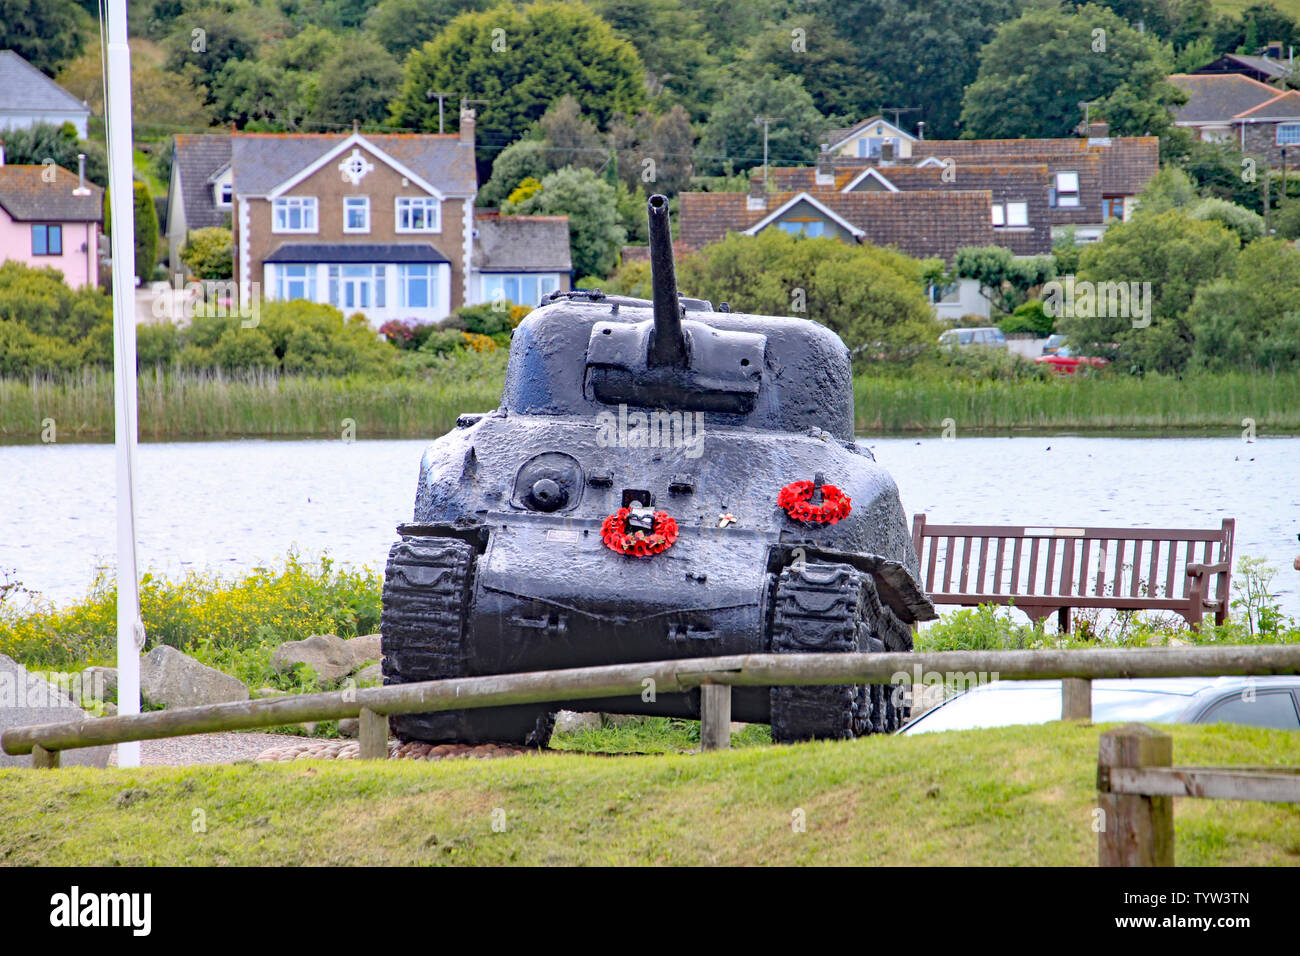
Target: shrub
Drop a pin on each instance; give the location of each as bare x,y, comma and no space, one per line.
1029,317
210,253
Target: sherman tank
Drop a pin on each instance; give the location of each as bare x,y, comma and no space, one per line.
661,480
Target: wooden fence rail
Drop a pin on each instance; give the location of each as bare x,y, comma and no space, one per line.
374,704
1137,783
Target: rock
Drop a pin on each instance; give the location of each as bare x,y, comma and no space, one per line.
620,720
99,681
364,649
737,726
26,699
267,692
370,675
308,727
327,655
571,722
173,679
349,726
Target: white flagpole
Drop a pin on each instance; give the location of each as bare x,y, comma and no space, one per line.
117,115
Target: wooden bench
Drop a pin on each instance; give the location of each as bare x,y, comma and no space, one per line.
1041,570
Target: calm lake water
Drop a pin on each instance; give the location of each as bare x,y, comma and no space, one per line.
228,506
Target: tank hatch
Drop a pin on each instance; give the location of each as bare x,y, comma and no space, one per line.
669,360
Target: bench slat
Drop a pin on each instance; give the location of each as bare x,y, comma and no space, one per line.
965,561
1050,585
1137,567
947,564
1033,565
1015,566
1153,588
1117,583
997,564
934,553
984,552
1169,568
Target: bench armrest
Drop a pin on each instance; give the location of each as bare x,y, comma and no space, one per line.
1196,570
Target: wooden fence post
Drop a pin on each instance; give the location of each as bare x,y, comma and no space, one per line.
373,735
715,716
43,759
1076,699
1134,830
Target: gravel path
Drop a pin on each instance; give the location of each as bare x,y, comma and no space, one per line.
211,748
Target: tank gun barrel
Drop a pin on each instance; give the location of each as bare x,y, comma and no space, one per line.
668,344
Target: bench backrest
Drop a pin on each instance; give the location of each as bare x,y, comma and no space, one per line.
1110,565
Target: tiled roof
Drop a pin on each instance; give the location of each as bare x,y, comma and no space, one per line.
1264,65
198,159
371,252
25,88
1217,97
28,197
1283,106
920,223
262,161
521,243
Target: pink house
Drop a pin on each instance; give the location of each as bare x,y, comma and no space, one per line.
50,217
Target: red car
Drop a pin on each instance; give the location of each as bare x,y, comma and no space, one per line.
1066,362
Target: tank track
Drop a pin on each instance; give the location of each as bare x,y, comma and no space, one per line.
832,608
426,598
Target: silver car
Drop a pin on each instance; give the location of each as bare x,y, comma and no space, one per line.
1254,701
990,337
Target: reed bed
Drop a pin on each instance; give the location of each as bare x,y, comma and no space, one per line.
190,405
1105,402
195,405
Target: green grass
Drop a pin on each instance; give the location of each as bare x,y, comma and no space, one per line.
894,404
211,405
1012,796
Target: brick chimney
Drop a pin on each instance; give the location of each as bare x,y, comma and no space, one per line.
825,167
757,191
467,121
1098,131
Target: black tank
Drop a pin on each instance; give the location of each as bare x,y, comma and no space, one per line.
625,503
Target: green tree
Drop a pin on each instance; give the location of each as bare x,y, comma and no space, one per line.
655,151
519,61
356,83
34,145
1005,280
828,65
1246,224
733,140
923,55
1175,255
207,39
146,230
402,25
1248,319
673,46
209,253
871,297
1038,69
595,237
45,33
258,94
522,159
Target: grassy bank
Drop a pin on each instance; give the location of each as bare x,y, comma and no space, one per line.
1012,796
894,404
209,405
212,405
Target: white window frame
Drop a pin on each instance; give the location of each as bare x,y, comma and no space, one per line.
1017,215
1067,198
1294,129
352,202
405,279
307,278
495,282
307,207
225,194
999,216
431,204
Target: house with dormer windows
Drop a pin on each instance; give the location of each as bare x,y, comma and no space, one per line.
377,223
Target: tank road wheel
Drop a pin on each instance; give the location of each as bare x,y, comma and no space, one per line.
832,608
426,606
